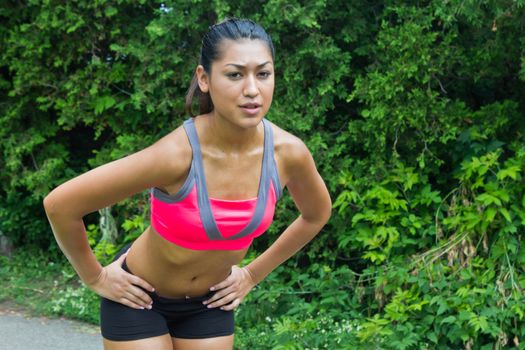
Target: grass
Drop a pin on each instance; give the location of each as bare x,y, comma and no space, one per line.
46,286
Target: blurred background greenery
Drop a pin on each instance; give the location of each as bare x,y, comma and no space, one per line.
413,111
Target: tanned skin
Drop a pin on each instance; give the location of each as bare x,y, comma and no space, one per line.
232,140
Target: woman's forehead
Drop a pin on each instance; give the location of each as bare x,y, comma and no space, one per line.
244,52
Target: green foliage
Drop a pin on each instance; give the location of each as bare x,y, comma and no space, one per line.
466,289
413,112
304,331
44,284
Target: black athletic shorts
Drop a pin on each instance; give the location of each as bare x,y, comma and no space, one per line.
180,317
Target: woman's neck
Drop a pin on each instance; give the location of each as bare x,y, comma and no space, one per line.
220,133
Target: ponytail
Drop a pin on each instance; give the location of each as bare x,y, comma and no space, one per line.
205,102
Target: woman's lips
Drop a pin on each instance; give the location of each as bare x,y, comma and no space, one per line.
252,110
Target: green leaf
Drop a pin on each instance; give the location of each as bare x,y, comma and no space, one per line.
511,172
103,103
448,320
433,337
479,323
110,11
488,199
505,213
490,213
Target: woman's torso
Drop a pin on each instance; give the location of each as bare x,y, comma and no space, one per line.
176,271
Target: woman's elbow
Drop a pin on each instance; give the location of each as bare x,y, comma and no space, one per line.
49,204
320,218
52,203
327,213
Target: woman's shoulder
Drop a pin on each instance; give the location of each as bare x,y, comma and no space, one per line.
174,152
175,141
289,149
287,143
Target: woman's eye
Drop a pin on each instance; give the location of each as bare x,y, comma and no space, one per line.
234,75
265,74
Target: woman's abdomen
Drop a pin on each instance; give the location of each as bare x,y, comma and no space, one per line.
175,271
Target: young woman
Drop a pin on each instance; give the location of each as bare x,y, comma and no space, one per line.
214,182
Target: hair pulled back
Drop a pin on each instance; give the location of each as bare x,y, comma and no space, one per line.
233,29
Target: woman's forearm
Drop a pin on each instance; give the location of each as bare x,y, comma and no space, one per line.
296,236
70,234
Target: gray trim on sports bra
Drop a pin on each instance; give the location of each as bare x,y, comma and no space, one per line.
208,221
190,180
196,176
181,194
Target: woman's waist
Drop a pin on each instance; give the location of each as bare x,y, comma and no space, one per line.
175,271
177,282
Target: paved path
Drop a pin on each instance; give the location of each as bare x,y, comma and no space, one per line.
20,331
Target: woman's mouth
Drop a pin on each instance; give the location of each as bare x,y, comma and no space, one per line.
251,108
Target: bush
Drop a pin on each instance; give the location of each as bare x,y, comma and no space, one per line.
412,111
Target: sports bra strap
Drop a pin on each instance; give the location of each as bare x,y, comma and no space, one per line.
267,175
269,158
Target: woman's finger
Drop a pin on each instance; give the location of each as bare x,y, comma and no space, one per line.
140,297
228,281
129,303
140,282
225,302
224,284
121,258
136,300
220,294
231,306
226,299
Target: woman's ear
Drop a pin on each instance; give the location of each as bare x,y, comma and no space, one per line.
202,78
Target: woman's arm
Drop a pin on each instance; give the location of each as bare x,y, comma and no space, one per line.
110,183
311,197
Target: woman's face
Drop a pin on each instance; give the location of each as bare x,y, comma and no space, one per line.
241,81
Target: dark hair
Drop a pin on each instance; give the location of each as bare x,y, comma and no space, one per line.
233,29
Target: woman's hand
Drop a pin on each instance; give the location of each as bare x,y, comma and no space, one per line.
230,292
116,284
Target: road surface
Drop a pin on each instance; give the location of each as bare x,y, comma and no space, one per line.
21,331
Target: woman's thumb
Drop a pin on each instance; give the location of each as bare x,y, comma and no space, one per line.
123,256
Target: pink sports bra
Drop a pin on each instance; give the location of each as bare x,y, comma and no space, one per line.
192,220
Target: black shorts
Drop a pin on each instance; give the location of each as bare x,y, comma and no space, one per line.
180,317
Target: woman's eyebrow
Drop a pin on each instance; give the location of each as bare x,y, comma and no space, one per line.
240,66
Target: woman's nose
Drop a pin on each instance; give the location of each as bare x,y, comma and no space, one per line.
250,86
